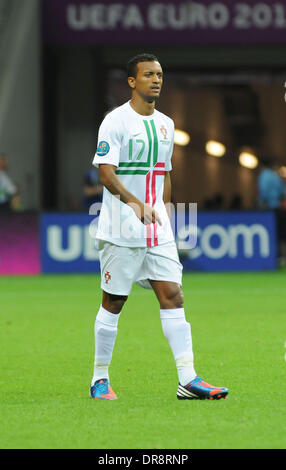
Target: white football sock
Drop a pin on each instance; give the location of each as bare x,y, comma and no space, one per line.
105,331
178,333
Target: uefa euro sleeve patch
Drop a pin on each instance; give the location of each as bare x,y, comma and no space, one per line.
102,149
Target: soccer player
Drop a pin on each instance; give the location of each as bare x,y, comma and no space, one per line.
134,235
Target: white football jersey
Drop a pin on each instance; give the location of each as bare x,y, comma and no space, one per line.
141,148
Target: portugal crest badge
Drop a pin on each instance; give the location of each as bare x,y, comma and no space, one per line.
164,131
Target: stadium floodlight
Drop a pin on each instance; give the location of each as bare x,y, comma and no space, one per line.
248,160
282,171
181,137
216,149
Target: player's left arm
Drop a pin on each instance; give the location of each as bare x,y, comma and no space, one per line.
167,192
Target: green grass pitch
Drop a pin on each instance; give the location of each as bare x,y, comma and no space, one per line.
238,328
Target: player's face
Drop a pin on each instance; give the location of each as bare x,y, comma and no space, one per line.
148,81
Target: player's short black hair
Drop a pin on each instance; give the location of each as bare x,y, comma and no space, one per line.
132,63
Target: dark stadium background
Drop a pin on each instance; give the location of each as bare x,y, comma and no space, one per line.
64,69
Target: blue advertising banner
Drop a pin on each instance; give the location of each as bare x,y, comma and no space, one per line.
67,244
224,241
228,241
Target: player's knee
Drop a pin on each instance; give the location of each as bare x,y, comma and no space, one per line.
113,303
173,298
178,300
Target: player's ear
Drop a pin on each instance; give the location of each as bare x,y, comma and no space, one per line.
131,82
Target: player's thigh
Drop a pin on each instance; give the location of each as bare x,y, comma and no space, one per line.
162,264
165,275
119,266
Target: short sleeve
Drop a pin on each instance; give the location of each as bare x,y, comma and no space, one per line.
170,153
109,143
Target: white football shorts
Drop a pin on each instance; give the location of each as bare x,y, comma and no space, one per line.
122,266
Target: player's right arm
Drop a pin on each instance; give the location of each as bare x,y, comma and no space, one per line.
107,160
144,212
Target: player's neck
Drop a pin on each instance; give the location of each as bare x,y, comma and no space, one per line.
141,106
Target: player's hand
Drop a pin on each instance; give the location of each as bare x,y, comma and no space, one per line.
145,213
150,216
